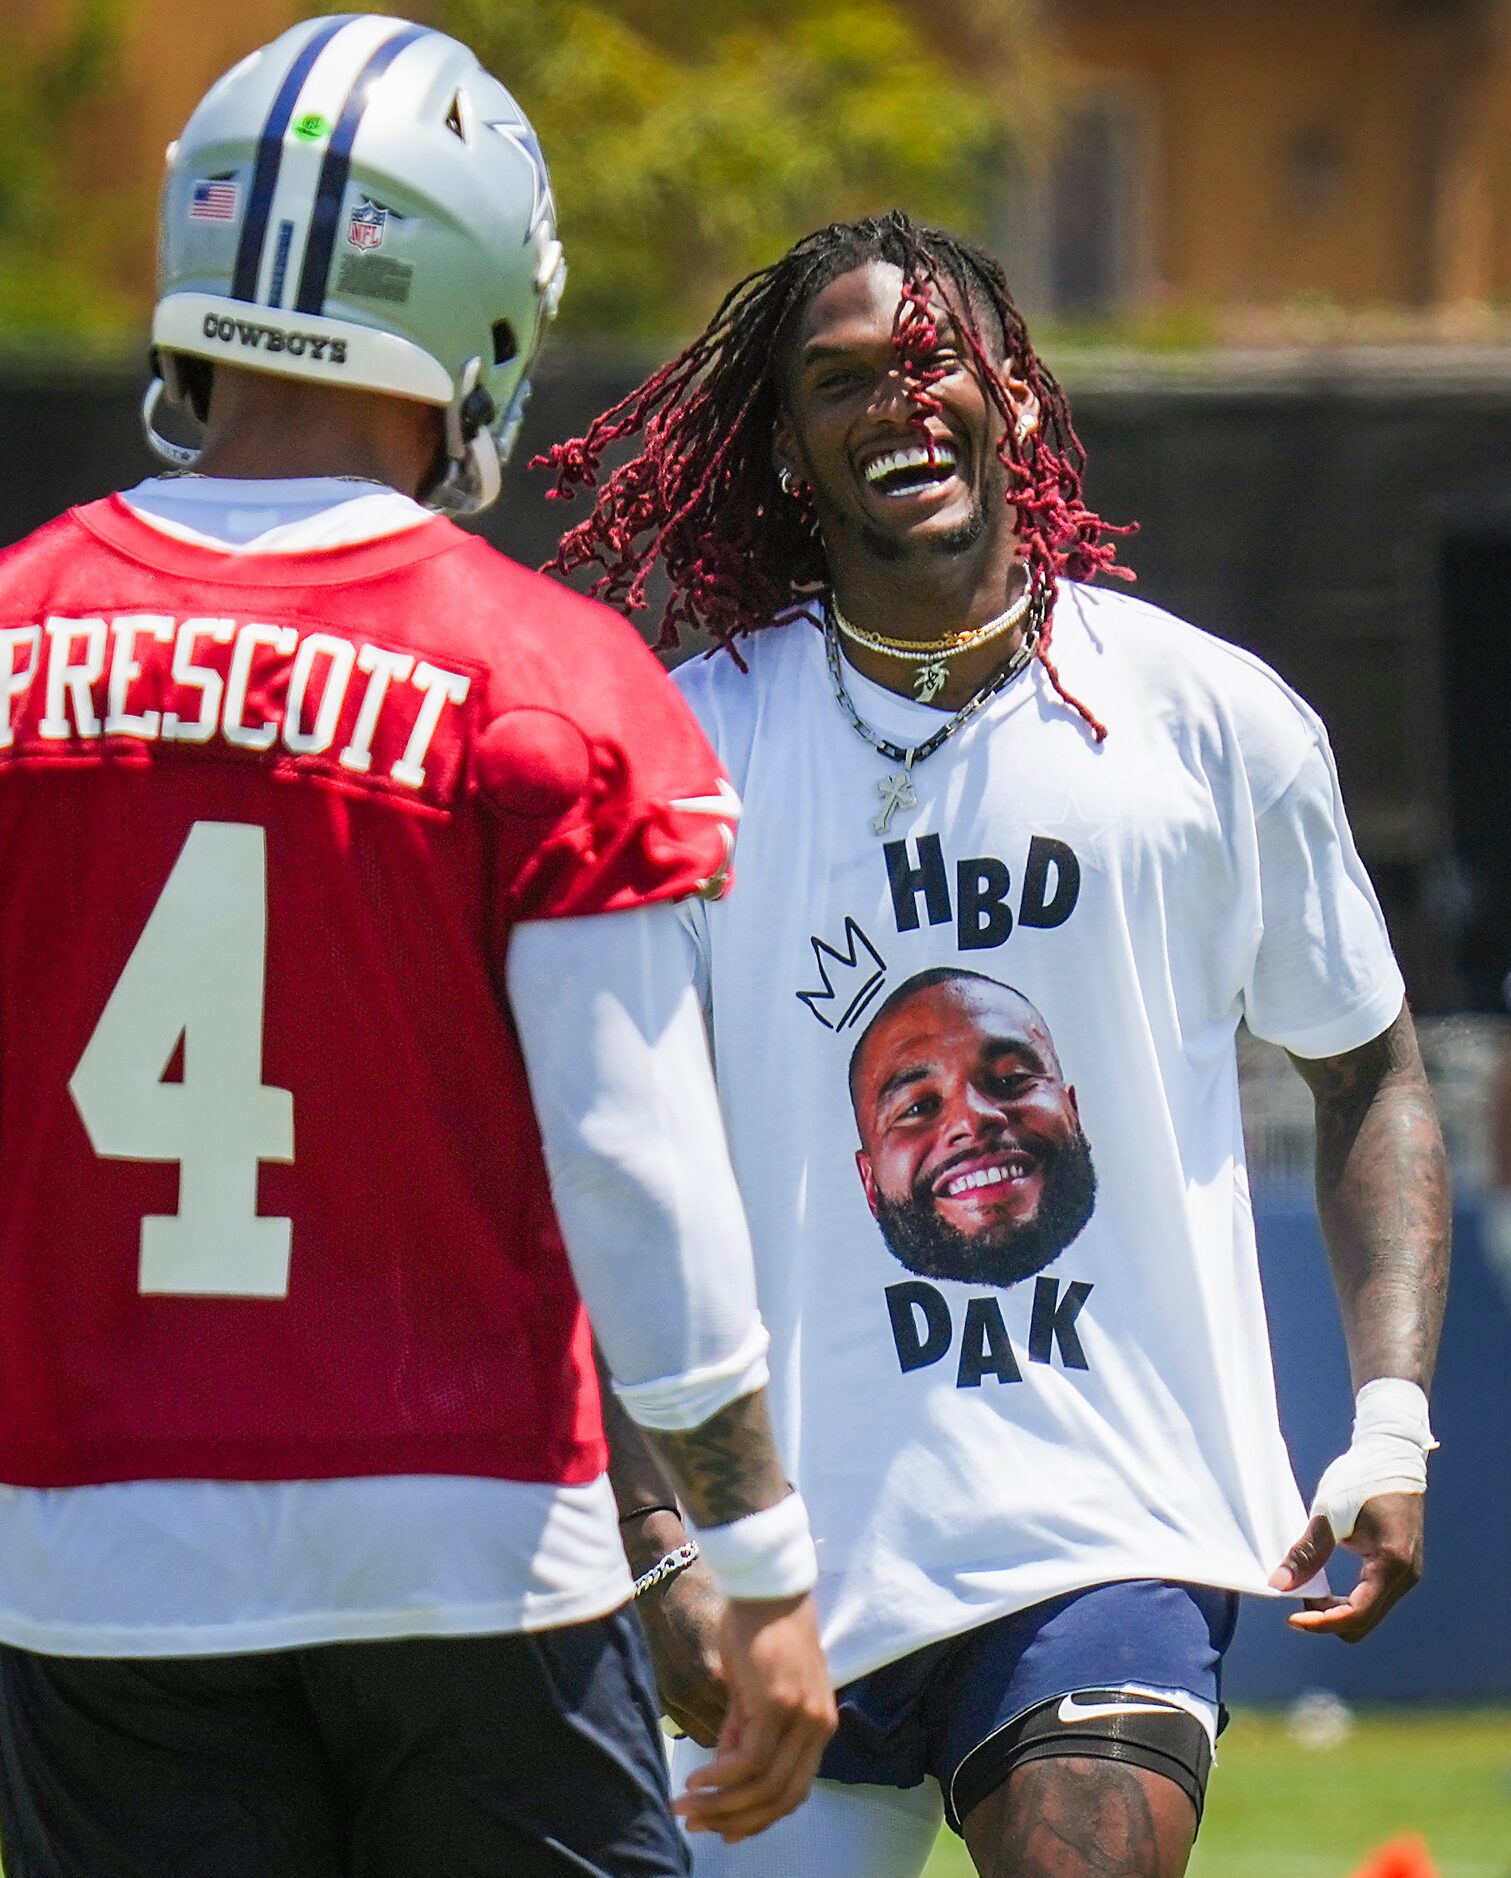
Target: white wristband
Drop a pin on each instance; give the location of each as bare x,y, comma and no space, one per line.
769,1554
1388,1453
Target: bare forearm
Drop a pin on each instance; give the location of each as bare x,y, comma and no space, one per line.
635,1473
728,1466
650,1519
719,1471
1382,1196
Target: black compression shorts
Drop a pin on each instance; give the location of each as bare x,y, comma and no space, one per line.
537,1755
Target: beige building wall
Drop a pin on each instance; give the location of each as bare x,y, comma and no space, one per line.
1354,149
1469,241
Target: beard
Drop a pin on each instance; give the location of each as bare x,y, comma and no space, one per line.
888,548
1002,1255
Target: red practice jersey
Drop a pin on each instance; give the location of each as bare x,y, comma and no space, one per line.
275,1205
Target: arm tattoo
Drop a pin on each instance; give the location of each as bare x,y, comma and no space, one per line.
728,1467
1382,1197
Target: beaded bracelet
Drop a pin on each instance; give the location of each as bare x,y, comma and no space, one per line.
671,1566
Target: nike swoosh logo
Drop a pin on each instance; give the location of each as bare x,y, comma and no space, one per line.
726,804
1071,1710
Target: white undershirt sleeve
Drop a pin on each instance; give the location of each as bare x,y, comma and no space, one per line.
612,1033
1323,979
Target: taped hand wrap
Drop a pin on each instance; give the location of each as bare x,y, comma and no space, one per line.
1388,1453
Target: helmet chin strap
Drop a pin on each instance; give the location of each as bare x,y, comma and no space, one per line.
474,456
180,456
471,481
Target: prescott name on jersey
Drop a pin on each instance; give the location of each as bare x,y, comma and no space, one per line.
251,684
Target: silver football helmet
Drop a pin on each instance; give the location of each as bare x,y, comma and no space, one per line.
360,203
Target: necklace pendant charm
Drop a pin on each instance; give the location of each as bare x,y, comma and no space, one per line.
929,680
897,793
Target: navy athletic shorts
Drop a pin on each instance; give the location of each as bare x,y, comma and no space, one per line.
538,1755
951,1709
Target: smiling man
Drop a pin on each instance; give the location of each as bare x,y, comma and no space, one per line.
958,754
971,1155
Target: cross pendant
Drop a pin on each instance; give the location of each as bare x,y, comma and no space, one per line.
897,793
931,679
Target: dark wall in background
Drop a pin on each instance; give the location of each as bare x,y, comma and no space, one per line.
1350,529
1336,529
1441,1644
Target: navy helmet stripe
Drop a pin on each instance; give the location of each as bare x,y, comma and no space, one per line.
270,156
280,263
315,274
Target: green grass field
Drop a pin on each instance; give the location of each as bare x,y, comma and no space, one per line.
1276,1810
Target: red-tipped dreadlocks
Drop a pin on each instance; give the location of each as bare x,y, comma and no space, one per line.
702,497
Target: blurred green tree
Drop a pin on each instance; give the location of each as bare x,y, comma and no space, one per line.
689,145
51,231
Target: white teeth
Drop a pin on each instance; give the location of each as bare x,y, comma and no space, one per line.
1015,1169
913,456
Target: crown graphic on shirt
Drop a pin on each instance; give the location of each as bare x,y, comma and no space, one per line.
849,979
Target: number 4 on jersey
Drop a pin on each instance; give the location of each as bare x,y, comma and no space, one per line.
197,972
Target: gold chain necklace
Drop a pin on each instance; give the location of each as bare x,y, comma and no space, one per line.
932,656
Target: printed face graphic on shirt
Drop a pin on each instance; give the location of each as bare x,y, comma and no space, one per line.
971,1151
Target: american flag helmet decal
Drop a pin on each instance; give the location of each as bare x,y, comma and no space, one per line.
214,199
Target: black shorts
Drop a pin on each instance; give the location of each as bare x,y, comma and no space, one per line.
535,1755
1046,1680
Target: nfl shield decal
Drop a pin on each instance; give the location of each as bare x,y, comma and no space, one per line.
365,230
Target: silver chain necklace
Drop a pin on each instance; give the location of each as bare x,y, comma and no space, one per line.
897,790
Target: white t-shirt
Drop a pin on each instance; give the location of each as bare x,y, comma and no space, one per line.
969,1445
186,1567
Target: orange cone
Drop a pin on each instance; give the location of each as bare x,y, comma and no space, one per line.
1406,1857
